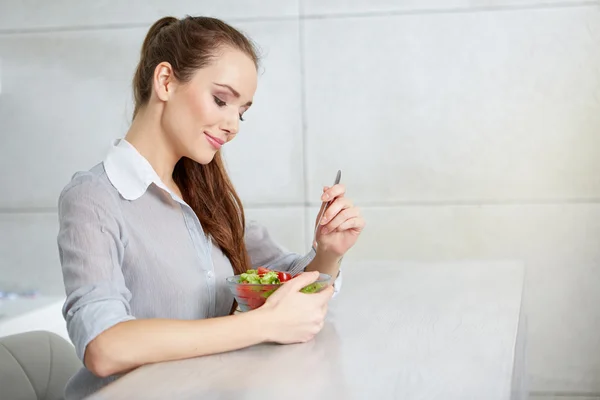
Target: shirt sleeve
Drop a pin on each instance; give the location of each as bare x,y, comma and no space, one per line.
264,251
91,253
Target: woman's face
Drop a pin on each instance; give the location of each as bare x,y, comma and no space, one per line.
203,114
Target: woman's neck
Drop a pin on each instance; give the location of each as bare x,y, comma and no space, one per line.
147,136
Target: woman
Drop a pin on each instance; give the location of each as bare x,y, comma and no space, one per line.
148,236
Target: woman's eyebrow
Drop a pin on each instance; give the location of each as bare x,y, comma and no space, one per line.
232,90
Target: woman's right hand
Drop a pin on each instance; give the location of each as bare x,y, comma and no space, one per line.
295,317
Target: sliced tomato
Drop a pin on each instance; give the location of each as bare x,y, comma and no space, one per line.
255,303
244,288
262,270
284,276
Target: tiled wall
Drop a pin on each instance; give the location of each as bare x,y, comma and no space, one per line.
466,129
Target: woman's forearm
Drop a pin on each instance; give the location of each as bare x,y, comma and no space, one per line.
131,344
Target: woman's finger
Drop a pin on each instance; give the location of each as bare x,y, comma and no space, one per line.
357,223
339,204
340,219
335,191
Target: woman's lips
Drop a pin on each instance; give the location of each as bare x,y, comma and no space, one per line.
214,141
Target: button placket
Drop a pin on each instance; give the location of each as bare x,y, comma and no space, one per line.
203,248
202,240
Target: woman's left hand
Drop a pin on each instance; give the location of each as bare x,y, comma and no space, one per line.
342,223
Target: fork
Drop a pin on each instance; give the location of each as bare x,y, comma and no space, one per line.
324,206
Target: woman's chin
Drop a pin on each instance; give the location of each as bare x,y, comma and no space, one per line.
204,157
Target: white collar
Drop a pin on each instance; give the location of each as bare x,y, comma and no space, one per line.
130,173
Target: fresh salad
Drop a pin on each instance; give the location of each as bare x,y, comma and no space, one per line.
265,276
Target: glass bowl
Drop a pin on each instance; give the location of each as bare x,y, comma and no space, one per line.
250,296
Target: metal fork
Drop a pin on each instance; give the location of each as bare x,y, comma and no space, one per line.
324,206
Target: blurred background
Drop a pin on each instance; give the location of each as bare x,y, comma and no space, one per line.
465,130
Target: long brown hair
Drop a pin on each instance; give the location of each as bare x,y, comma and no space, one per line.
188,45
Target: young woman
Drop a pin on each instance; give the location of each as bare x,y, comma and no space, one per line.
148,236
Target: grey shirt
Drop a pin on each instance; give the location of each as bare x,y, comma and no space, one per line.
131,248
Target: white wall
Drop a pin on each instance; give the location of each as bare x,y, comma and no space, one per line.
470,131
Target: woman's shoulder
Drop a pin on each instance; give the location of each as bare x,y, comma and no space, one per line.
89,185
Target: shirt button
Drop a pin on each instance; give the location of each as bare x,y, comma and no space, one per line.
210,274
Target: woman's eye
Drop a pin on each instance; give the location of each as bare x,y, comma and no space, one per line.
241,118
219,102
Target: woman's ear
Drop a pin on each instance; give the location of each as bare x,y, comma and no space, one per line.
163,81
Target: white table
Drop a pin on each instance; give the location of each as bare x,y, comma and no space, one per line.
29,314
396,331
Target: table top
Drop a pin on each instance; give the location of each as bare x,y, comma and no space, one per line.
36,313
15,308
396,331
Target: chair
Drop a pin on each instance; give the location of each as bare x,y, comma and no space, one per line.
35,366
